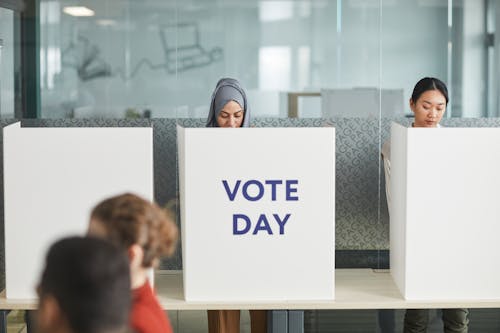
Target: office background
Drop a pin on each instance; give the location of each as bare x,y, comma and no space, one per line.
347,63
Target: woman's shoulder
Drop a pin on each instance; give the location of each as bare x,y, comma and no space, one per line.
148,317
386,150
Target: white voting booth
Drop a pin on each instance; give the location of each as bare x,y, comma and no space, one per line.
257,209
445,212
52,179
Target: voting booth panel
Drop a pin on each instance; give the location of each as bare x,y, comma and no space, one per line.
52,179
445,212
257,211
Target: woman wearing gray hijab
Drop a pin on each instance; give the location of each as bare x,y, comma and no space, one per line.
229,108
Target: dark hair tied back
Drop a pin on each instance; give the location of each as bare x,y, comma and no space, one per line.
429,83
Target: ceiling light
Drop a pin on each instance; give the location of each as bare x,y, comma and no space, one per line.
78,11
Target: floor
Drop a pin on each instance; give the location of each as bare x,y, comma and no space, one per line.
16,322
340,321
346,321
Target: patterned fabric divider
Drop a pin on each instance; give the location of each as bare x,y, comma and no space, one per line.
361,210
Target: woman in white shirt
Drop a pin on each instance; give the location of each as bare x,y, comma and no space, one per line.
428,103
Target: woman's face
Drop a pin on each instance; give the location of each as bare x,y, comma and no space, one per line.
429,108
231,115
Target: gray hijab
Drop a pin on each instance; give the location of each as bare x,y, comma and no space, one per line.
227,90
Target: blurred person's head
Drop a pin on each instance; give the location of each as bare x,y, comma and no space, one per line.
229,106
428,102
84,288
139,227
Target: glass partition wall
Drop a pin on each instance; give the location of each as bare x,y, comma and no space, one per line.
347,63
7,62
162,58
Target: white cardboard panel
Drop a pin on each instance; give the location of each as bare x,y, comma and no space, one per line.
397,207
53,177
452,213
221,266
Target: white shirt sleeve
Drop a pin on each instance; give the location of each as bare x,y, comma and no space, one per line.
386,156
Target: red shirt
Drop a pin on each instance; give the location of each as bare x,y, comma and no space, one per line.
147,315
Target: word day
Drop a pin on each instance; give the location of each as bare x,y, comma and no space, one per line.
254,190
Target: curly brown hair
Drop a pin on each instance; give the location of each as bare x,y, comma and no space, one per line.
129,219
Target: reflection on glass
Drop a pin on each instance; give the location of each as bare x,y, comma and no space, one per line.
164,56
6,63
1,91
274,68
275,11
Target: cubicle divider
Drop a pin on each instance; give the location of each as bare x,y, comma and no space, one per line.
362,223
445,212
256,203
75,169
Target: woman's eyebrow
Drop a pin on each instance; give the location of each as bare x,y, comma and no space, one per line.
442,103
233,113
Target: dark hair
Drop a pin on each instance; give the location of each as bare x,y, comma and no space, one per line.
429,83
129,219
90,279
